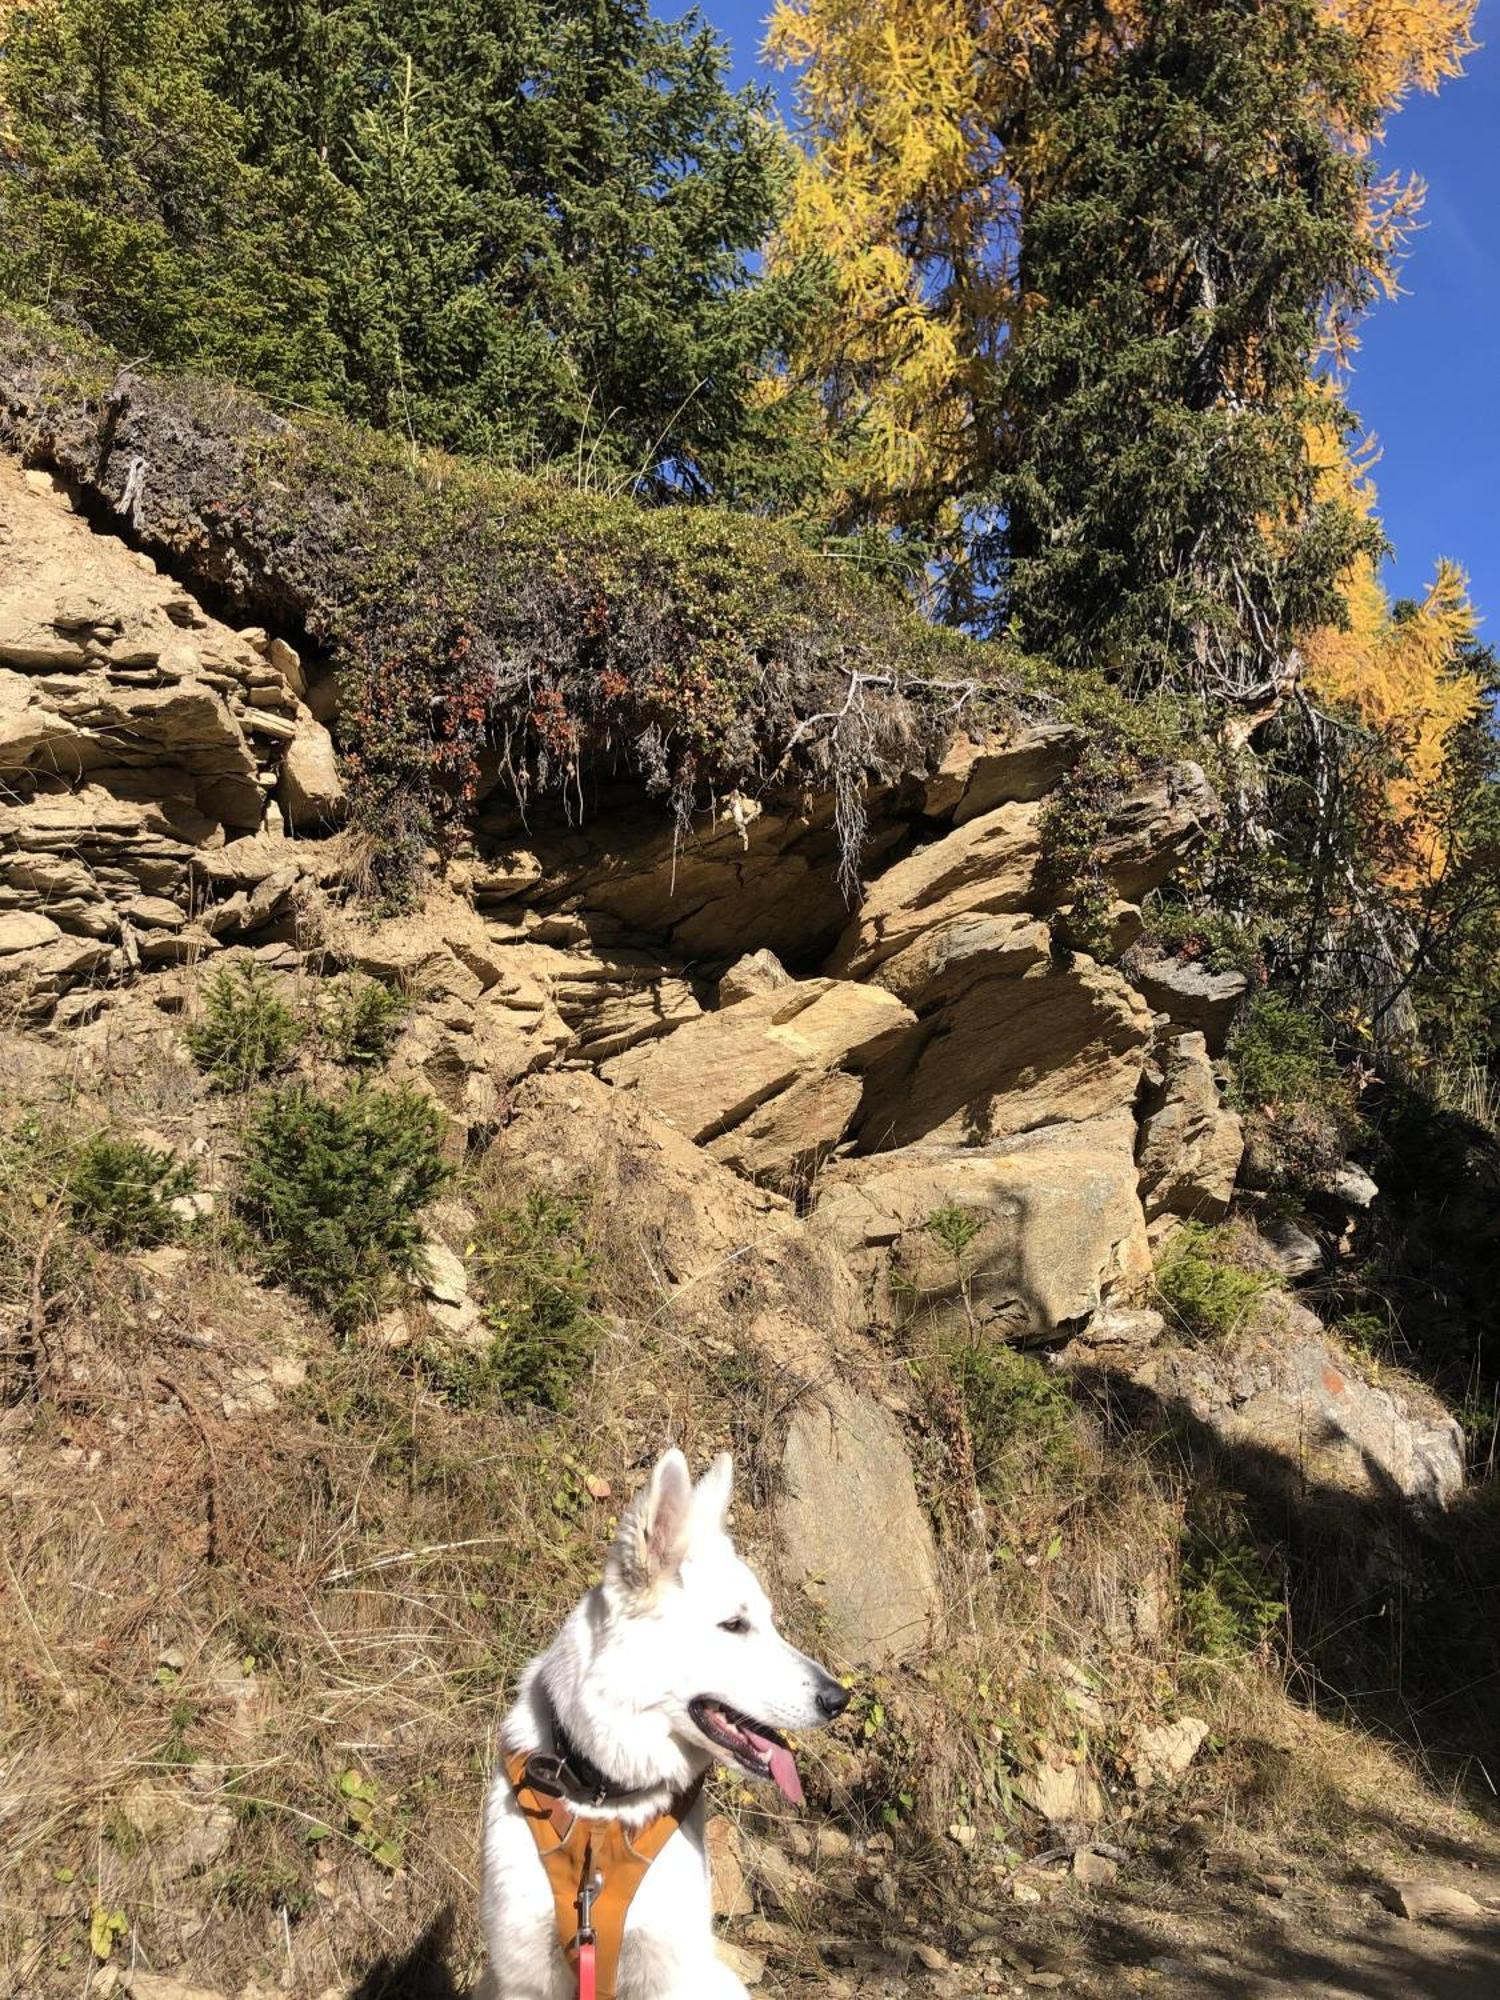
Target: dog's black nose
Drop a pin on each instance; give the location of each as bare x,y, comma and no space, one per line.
833,1699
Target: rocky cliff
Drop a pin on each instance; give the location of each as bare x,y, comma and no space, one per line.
838,1129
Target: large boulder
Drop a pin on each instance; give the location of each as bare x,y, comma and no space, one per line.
1296,1411
770,1082
1008,1055
845,1479
1054,1227
1191,1143
311,791
1193,998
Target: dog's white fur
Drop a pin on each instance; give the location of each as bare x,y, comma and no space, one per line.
619,1677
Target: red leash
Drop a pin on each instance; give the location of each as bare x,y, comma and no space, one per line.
588,1889
586,1972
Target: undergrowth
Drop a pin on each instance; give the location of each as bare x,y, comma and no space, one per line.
1206,1292
122,1191
247,1032
335,1187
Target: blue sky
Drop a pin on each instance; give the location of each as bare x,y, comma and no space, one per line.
1427,377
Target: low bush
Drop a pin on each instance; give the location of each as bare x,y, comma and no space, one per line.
247,1032
1230,1601
1279,1053
1204,1291
360,1020
122,1191
541,1289
1021,1419
335,1187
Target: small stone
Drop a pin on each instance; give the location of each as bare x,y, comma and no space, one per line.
934,1960
1094,1871
164,1262
729,1889
1431,1902
25,930
1271,1885
288,663
443,1274
157,1986
757,972
1023,1892
1165,1753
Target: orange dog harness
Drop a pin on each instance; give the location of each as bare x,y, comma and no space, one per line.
595,1867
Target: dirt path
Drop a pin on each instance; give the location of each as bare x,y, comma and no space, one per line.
1212,1927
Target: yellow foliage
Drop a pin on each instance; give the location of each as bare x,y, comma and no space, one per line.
1396,674
906,197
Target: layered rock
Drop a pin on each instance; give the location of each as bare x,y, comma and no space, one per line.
1191,1143
137,735
997,862
771,1083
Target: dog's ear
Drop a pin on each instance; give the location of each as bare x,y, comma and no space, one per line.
652,1537
711,1497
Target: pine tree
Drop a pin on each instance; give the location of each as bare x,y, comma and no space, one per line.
1189,215
127,209
508,226
933,137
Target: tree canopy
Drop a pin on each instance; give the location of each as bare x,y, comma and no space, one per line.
511,227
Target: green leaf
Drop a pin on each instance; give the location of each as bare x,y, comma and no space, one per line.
106,1928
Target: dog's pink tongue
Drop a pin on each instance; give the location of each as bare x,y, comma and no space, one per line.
784,1771
781,1764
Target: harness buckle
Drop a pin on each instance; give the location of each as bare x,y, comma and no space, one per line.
588,1890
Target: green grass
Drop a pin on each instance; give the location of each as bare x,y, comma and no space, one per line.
1204,1292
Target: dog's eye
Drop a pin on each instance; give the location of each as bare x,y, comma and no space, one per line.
738,1626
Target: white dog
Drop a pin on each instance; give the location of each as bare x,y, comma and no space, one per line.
671,1664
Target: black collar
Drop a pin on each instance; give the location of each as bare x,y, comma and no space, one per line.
567,1773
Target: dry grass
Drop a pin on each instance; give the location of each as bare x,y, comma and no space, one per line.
243,1559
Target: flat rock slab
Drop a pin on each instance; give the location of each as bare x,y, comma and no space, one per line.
853,1530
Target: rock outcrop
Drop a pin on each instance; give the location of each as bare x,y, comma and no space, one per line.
787,1095
1293,1410
141,744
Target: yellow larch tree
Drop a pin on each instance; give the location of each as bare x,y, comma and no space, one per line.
909,197
1398,671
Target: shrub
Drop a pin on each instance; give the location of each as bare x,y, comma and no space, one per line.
1200,1285
122,1191
1230,1601
335,1187
247,1032
361,1019
540,1285
1279,1053
1021,1419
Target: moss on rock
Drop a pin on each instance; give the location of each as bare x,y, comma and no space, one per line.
471,610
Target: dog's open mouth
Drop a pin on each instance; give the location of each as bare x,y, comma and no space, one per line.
754,1746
